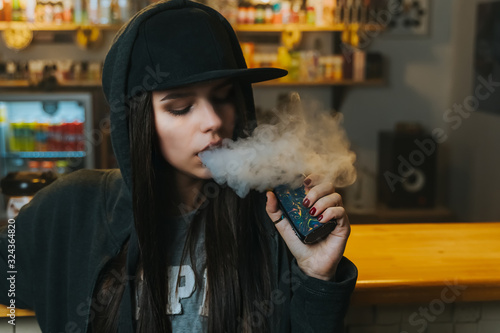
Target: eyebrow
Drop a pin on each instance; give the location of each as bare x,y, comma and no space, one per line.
183,94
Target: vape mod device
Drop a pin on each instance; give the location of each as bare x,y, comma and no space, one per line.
306,227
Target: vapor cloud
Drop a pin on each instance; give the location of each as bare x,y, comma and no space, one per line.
291,142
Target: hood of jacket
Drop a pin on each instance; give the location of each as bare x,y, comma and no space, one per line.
116,73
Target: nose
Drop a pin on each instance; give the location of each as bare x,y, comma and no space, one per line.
211,121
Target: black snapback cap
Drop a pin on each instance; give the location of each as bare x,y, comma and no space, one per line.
183,46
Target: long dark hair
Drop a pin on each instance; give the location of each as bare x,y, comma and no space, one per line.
237,252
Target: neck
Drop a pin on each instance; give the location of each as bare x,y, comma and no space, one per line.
189,190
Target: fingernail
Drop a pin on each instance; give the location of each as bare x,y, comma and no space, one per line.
320,217
307,182
312,211
307,202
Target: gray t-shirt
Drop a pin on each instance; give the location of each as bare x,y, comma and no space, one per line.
187,308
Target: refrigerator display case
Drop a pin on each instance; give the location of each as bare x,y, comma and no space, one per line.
41,132
45,131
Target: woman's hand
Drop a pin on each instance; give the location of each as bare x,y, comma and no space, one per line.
320,259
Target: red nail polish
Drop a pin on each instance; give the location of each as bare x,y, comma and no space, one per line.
307,202
320,218
307,182
312,211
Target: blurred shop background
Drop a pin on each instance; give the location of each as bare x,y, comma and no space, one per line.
416,83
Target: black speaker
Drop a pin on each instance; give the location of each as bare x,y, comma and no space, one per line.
407,170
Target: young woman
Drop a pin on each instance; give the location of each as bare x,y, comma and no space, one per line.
157,246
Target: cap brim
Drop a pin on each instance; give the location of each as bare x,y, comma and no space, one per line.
247,75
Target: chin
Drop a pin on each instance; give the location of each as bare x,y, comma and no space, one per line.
199,172
205,174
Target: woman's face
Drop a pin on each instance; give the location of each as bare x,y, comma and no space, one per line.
191,119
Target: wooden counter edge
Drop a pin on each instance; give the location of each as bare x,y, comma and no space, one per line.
448,292
5,312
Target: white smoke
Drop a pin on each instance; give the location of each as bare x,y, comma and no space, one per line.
292,143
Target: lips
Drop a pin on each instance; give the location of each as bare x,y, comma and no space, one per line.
212,145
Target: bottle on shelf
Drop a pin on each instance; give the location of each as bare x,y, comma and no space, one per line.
67,11
61,167
286,8
16,10
259,14
3,127
338,65
310,15
294,67
277,12
78,11
58,12
58,137
268,14
30,10
46,166
302,10
41,136
30,136
33,166
21,136
248,49
319,12
250,19
309,65
284,59
329,8
39,11
67,136
104,11
7,10
125,9
13,135
295,12
51,137
48,12
93,11
359,65
242,13
79,136
115,12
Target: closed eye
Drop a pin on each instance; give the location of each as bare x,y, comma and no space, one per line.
179,112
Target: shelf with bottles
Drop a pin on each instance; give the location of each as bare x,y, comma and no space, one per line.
311,68
58,165
305,68
45,154
65,83
323,82
40,26
291,18
63,73
66,14
42,130
300,27
38,139
245,16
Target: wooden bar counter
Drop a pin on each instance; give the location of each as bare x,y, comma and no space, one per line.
419,262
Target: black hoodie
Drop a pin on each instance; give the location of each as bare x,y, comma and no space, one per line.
72,228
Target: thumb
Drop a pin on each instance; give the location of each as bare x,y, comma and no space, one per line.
284,228
272,207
